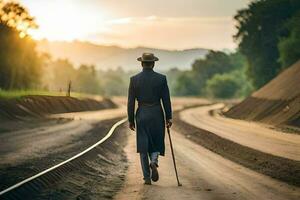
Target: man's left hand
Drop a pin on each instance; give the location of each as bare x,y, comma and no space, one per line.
132,126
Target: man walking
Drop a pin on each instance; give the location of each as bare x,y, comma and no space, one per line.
149,88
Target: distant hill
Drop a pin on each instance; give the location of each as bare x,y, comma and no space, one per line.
105,57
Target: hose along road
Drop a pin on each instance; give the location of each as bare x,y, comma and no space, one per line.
29,151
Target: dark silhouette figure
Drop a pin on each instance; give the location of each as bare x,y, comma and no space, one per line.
149,88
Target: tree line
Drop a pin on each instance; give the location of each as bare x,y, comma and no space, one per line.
20,65
218,75
58,74
268,36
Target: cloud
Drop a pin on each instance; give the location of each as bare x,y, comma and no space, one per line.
167,24
152,18
126,20
168,32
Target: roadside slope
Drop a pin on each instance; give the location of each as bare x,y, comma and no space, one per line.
37,106
277,103
252,135
274,154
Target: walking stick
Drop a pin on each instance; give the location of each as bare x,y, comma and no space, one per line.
173,156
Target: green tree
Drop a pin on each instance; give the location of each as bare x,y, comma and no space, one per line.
114,82
193,82
61,73
16,16
20,65
215,62
244,85
222,86
238,60
186,84
289,46
260,27
86,80
173,75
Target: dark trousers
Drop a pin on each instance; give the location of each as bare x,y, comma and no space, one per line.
145,157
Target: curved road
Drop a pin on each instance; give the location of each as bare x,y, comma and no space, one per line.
22,145
250,134
204,175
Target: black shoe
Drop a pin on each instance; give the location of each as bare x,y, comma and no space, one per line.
147,182
154,174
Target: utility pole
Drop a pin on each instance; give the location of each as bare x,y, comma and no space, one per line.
69,88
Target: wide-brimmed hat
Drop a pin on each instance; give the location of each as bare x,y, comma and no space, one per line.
148,57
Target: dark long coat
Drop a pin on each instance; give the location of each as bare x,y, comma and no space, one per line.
151,91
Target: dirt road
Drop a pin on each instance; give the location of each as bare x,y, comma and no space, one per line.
204,175
30,150
27,144
249,134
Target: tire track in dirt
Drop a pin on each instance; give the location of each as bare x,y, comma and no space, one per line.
102,166
276,167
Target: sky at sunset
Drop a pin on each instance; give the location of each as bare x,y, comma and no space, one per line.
167,24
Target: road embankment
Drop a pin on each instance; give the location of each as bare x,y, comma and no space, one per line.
279,112
38,106
99,173
276,103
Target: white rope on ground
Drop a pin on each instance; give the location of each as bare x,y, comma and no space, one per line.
66,161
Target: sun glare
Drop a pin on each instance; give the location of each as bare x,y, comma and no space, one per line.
66,22
22,34
110,24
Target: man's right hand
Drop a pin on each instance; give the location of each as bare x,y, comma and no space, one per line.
169,123
132,126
